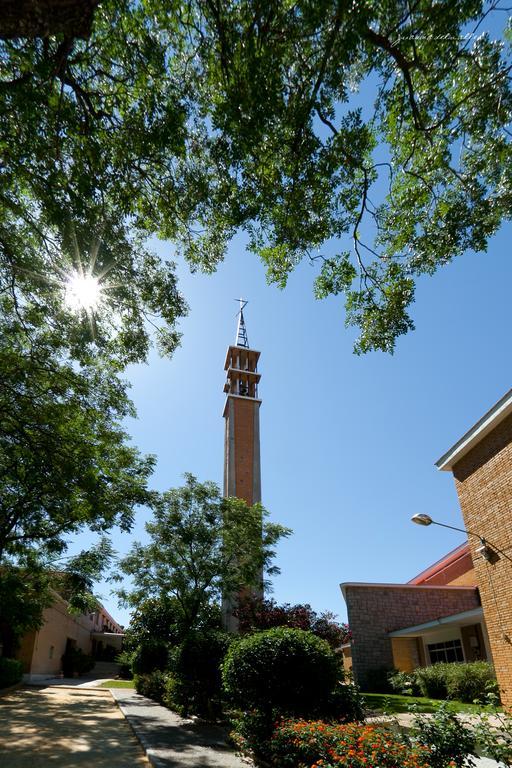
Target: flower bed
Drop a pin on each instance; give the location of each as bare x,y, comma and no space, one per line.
315,744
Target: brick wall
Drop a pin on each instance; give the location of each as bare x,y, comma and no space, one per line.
484,484
374,610
244,454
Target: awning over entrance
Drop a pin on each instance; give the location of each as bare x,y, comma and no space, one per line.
114,639
465,618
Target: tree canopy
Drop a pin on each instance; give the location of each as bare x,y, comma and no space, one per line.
372,138
202,547
65,461
66,464
255,614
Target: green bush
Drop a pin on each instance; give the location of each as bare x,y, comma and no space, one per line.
284,672
463,682
285,669
151,655
196,684
471,682
433,681
449,740
404,683
153,685
378,680
125,660
11,671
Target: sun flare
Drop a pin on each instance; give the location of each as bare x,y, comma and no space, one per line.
82,291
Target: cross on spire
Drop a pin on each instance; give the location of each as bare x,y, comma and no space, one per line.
241,331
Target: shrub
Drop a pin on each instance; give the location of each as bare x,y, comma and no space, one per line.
471,682
377,680
432,681
256,613
464,682
493,733
285,669
151,655
125,661
153,685
196,683
11,671
450,741
297,742
404,683
284,672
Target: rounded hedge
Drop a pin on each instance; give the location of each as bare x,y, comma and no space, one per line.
288,670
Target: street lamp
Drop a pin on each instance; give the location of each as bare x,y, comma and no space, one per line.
488,551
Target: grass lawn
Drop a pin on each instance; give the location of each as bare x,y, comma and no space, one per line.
393,703
118,684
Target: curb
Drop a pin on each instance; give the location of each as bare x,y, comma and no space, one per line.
152,760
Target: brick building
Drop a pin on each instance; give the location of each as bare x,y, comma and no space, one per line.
481,463
437,616
460,608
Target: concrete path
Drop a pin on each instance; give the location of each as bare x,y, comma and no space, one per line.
65,728
173,742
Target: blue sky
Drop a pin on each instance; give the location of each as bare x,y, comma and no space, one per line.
348,443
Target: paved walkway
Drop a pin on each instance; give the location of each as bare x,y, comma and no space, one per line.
65,728
173,742
74,727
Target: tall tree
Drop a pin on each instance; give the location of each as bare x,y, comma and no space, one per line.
191,120
66,465
202,546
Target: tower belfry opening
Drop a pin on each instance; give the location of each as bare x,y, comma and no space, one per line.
242,476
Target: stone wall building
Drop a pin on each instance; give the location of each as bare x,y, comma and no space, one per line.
437,616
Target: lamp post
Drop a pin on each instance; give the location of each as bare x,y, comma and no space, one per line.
489,551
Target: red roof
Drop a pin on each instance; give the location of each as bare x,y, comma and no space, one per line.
451,566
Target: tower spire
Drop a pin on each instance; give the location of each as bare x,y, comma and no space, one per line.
241,331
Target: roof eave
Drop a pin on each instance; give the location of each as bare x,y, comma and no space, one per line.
478,431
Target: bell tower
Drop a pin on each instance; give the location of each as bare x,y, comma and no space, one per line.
242,474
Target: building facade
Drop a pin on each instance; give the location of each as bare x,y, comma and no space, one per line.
436,616
96,634
481,463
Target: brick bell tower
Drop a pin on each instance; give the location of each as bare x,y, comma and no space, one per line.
242,473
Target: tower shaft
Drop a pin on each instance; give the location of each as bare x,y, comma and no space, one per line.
242,473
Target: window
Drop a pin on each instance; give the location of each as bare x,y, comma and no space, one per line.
451,650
